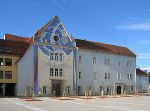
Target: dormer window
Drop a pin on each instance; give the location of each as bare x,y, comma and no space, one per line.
56,38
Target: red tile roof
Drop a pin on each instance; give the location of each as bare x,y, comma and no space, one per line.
83,44
10,47
96,46
17,38
140,72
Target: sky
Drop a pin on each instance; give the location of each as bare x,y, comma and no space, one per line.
119,22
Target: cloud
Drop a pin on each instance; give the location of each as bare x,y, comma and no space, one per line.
144,42
146,68
135,24
144,56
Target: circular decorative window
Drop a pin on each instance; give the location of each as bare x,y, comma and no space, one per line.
56,38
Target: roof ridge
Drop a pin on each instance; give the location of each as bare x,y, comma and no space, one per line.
17,36
103,43
97,46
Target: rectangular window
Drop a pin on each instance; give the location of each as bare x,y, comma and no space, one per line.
60,72
8,62
1,74
132,87
80,75
56,56
44,89
105,77
108,76
79,59
130,76
94,60
51,71
1,62
60,57
51,56
56,72
8,74
118,76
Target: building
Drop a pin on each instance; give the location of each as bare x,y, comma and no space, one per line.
10,52
56,64
142,80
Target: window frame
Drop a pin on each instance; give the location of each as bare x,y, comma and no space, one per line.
51,56
94,60
1,74
8,77
60,57
80,75
60,72
8,63
51,71
56,56
1,62
56,72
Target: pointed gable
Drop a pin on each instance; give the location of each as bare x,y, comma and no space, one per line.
54,36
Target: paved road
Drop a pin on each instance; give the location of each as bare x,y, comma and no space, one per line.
138,103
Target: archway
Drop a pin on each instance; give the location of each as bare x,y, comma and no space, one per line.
118,89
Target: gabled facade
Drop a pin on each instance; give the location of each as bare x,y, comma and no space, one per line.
57,65
142,80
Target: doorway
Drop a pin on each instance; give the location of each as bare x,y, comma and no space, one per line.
56,87
118,89
10,89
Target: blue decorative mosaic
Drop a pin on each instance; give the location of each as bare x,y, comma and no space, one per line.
55,28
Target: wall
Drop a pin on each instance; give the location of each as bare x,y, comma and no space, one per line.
12,68
44,66
142,83
25,71
88,68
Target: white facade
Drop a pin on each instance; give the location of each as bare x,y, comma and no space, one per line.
64,69
45,77
142,83
26,72
113,66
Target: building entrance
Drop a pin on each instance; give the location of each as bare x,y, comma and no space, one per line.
7,89
118,89
56,87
